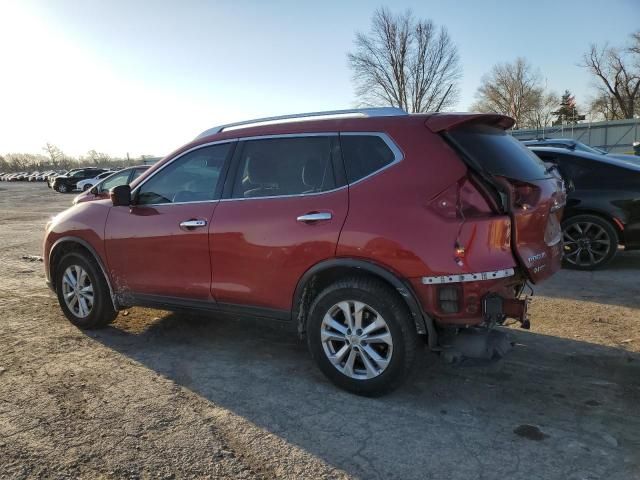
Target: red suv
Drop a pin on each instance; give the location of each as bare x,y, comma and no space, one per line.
370,230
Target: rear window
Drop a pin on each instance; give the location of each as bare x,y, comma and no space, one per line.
499,153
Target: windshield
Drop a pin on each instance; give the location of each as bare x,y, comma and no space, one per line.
499,153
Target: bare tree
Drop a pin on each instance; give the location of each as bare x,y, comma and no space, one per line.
98,158
542,113
55,154
405,62
513,89
618,71
605,107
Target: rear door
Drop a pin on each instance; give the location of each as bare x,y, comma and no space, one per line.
283,212
533,195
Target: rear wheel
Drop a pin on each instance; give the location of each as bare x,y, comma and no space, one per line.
83,292
590,242
361,336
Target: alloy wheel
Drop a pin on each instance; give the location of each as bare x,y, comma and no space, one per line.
356,340
585,244
77,291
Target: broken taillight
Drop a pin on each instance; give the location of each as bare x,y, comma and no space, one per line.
460,200
525,195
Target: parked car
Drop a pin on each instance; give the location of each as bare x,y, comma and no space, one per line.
43,176
577,146
101,189
370,230
83,185
69,183
603,205
57,173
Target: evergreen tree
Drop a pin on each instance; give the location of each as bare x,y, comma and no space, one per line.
568,113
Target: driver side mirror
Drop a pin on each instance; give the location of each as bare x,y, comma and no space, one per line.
120,196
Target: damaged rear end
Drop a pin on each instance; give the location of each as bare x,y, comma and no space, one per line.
515,185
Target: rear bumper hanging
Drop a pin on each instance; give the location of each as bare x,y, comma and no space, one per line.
468,277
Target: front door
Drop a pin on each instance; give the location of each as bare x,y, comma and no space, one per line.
284,215
159,245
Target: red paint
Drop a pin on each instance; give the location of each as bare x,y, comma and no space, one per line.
148,252
254,251
259,251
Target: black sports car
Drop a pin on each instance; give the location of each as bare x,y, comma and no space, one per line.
603,205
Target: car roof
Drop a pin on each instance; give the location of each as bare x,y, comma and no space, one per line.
568,141
589,156
336,121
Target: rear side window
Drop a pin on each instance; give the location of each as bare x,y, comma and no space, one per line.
273,167
364,155
498,153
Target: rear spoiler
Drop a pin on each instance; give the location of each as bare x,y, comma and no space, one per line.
441,122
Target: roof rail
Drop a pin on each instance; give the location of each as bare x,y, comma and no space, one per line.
359,112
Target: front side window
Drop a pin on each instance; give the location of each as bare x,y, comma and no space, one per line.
193,177
284,166
136,173
364,155
119,178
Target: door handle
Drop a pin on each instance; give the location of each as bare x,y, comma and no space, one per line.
193,224
314,217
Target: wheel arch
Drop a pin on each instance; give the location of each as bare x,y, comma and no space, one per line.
609,217
69,244
322,274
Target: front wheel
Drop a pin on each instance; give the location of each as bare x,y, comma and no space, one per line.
361,336
590,242
63,188
86,187
83,292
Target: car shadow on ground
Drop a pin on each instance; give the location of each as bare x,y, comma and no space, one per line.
615,284
557,407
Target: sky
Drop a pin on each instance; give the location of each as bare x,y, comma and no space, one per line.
145,77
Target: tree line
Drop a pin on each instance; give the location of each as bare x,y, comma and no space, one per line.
413,64
53,158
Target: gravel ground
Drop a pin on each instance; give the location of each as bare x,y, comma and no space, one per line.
164,395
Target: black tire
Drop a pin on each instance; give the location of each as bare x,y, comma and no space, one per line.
86,187
595,253
102,312
63,188
388,304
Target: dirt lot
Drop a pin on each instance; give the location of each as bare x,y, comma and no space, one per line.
162,395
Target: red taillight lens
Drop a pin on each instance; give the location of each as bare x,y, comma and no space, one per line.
526,196
460,200
523,195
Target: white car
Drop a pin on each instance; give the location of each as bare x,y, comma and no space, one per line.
90,182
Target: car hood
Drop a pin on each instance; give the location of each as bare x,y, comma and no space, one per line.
87,196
